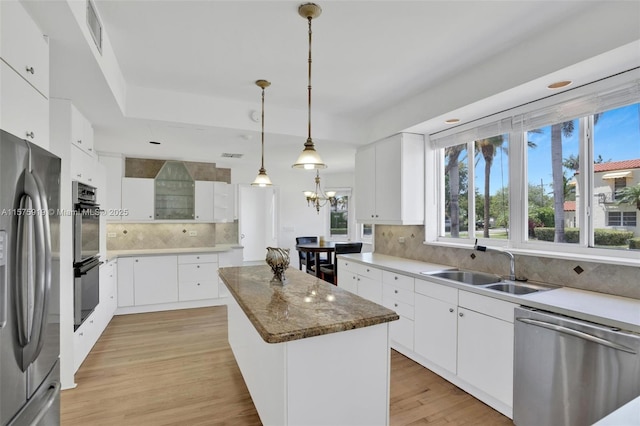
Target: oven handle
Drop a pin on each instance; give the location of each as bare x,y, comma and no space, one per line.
87,206
85,268
577,333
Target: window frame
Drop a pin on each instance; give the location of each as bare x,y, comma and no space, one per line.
518,241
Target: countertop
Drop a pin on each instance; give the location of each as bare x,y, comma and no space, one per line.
305,306
111,254
609,310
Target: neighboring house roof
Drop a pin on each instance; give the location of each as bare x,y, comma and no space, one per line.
569,206
617,165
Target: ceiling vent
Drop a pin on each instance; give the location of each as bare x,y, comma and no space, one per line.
94,24
229,155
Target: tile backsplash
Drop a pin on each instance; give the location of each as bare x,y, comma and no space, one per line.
137,236
601,277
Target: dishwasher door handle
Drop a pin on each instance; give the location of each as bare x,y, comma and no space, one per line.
576,333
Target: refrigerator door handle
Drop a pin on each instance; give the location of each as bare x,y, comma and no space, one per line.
4,294
32,339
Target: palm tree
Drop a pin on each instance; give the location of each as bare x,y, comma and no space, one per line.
452,154
557,131
629,195
488,148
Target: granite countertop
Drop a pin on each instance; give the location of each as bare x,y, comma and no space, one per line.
305,306
606,309
111,254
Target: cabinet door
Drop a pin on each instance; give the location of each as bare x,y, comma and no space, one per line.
348,280
23,111
485,354
388,180
138,198
365,184
436,331
23,46
204,201
370,289
81,131
83,167
223,207
113,188
125,282
155,279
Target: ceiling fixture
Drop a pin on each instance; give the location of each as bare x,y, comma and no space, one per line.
262,179
559,84
154,143
319,198
309,159
452,121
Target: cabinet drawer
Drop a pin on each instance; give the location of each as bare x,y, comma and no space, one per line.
437,291
369,272
198,258
398,280
401,331
348,265
400,294
197,290
401,308
198,272
487,305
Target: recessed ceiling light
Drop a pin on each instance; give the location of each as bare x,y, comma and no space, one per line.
559,84
452,121
154,143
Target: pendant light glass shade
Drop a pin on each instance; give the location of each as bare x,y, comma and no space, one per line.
309,158
262,179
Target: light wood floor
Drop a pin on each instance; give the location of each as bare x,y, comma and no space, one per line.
176,368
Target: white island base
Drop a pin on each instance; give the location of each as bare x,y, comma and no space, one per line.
333,379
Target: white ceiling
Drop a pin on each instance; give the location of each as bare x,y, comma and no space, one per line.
372,61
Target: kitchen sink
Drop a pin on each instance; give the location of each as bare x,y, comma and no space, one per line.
513,288
466,277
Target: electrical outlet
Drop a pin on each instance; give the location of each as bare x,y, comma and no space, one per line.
193,233
111,234
401,240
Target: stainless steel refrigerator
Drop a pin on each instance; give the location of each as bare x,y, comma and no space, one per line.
29,284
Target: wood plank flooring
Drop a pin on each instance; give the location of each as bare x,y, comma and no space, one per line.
176,368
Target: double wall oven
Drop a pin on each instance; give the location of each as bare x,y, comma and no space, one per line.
86,247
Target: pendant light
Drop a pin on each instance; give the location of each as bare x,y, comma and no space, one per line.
262,179
309,159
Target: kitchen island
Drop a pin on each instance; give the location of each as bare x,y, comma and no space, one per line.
310,352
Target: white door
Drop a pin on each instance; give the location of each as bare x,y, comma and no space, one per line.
257,222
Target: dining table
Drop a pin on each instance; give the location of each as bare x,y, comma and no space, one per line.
317,248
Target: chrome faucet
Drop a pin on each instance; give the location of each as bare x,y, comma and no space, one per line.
512,259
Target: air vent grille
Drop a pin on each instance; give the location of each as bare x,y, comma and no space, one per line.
230,155
94,24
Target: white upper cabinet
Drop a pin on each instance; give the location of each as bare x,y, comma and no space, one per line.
24,75
223,202
204,201
23,46
138,196
81,131
389,181
114,166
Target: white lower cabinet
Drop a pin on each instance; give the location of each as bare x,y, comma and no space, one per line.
197,277
155,280
398,295
232,257
485,345
368,280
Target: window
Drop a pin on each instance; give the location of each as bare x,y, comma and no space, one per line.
556,174
339,217
621,219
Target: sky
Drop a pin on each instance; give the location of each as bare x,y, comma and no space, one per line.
616,138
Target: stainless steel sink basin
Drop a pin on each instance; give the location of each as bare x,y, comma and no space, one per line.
516,288
466,277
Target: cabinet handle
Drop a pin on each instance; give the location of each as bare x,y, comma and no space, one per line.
198,266
90,149
136,260
79,175
460,314
80,141
395,305
82,334
353,278
450,309
395,278
90,179
371,215
198,283
30,135
29,69
150,217
367,269
395,291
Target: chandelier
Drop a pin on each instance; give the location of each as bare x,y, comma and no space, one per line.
309,158
319,198
262,179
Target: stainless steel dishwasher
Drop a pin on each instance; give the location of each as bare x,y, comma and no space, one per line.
571,372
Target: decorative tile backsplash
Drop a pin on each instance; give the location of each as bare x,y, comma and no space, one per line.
601,277
137,236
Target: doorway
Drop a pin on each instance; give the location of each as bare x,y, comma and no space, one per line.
258,221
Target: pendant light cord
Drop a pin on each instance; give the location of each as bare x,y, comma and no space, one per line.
262,120
309,86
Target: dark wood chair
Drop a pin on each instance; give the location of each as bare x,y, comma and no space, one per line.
330,271
308,259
